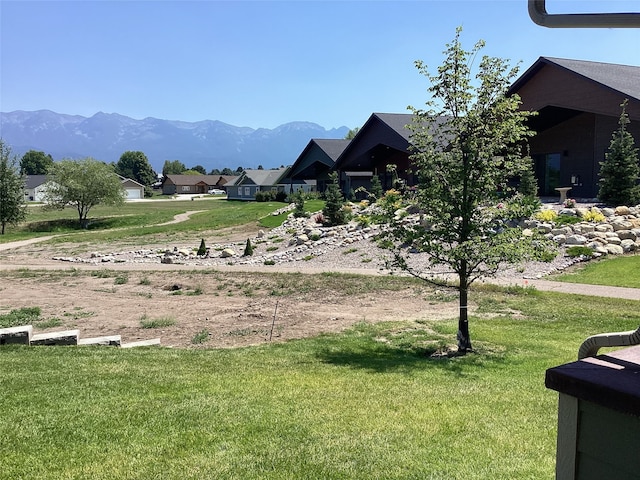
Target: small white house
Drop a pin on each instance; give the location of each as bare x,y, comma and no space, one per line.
132,189
34,188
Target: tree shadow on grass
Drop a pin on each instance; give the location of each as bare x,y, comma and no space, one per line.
68,225
382,358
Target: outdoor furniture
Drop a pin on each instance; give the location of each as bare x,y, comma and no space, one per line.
599,410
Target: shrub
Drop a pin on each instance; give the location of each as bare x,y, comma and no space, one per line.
202,251
269,262
546,215
298,200
567,220
248,249
593,216
280,197
579,251
333,212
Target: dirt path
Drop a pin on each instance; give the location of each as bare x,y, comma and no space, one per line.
181,217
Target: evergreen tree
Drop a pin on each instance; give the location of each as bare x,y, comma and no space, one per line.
620,171
12,206
333,211
248,249
376,187
202,250
528,184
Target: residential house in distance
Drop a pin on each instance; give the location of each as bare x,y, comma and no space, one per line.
132,189
251,181
578,105
189,184
34,188
316,162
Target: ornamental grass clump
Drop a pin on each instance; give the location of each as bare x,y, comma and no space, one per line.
546,215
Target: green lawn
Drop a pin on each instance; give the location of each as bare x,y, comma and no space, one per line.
616,272
137,219
364,404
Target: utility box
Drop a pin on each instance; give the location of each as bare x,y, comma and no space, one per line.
598,416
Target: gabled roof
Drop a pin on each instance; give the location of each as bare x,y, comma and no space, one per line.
390,130
131,180
332,147
396,121
34,181
262,177
621,78
192,179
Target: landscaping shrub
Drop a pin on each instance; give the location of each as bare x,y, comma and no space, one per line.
202,251
248,249
579,251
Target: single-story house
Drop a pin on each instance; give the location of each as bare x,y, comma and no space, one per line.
34,189
383,140
132,189
315,163
251,181
578,105
189,184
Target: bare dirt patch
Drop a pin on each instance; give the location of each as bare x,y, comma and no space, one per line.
212,308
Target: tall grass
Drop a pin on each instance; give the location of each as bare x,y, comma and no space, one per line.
364,404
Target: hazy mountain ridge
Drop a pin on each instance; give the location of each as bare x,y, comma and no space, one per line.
210,143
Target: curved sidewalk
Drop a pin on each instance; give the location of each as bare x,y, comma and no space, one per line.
575,288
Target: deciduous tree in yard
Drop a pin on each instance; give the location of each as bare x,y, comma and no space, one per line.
35,163
136,166
620,171
466,146
83,184
12,206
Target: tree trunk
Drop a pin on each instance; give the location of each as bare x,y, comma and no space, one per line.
2,229
464,339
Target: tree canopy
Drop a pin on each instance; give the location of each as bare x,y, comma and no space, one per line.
173,167
136,166
12,205
83,184
620,171
466,146
35,163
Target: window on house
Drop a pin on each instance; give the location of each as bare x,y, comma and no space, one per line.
186,188
247,191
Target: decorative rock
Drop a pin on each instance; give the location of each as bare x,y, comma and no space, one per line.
622,210
614,249
627,235
628,245
560,239
261,234
604,227
576,240
227,252
608,212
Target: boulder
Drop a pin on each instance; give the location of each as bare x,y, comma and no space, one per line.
622,210
627,235
614,249
576,240
227,252
628,245
608,212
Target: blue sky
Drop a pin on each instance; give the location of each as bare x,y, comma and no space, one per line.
265,63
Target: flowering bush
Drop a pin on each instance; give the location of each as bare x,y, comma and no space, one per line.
546,215
569,203
593,215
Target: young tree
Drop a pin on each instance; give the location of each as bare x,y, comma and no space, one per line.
620,171
136,166
12,206
466,146
333,211
528,184
82,184
35,163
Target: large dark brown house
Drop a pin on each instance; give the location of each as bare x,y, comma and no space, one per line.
578,105
317,160
383,140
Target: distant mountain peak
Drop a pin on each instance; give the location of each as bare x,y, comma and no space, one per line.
210,143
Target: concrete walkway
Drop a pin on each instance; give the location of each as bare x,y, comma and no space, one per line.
574,288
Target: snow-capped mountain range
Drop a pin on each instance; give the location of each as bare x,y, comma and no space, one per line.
210,143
